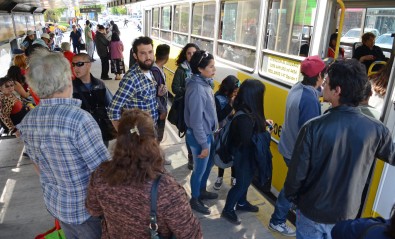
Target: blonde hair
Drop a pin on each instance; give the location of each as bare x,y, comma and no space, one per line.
20,61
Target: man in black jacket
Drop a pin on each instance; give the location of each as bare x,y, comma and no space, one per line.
94,95
334,153
102,44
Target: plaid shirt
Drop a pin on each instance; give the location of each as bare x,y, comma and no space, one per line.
135,91
65,143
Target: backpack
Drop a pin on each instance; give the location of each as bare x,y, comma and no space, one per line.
223,156
176,115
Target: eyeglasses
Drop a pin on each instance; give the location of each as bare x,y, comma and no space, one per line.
204,55
78,64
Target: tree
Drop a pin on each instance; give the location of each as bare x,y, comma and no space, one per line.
53,15
119,10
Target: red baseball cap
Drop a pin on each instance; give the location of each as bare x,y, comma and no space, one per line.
312,66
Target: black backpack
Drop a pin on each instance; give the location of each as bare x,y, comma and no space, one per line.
176,115
223,155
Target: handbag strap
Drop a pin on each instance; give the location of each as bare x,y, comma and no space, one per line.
154,196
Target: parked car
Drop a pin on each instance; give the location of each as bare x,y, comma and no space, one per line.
385,42
354,34
52,25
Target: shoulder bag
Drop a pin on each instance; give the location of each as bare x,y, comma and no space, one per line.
153,226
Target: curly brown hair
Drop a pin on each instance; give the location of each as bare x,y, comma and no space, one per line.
381,78
137,156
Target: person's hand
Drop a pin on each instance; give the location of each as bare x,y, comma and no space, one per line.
368,58
203,154
271,123
163,116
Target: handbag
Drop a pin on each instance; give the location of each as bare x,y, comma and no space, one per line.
55,233
153,226
82,45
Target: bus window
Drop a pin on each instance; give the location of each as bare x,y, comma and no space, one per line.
166,23
6,29
239,22
288,22
379,21
181,24
155,22
203,22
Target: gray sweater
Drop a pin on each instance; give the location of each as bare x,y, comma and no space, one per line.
200,115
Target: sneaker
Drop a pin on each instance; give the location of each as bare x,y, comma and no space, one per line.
207,195
190,162
232,181
283,229
248,207
218,183
231,217
199,206
167,161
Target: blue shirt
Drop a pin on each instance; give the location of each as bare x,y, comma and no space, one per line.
135,91
65,143
302,105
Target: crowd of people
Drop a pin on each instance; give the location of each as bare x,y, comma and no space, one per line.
66,117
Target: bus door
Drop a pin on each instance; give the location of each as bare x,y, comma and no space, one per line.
385,195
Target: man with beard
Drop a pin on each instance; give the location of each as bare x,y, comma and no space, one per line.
137,88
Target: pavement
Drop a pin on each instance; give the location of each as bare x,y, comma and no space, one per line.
23,213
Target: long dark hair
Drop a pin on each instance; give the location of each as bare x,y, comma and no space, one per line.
137,156
250,99
228,85
15,73
380,79
183,54
115,37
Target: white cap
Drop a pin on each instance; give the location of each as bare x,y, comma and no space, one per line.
45,35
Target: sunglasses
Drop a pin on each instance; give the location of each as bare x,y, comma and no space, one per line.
204,55
78,64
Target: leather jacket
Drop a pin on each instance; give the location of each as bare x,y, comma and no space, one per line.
331,161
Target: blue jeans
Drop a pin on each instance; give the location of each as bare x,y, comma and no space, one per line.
282,206
244,173
308,229
90,229
202,166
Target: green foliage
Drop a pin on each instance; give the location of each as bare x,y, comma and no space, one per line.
53,15
119,10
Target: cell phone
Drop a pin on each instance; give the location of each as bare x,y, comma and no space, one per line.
270,126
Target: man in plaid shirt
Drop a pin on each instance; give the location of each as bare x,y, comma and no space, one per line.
65,144
138,86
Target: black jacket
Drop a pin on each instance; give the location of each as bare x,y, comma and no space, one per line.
96,100
102,45
331,161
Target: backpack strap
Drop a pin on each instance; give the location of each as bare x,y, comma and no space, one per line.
153,226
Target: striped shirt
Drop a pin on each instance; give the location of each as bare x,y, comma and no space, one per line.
135,91
65,143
